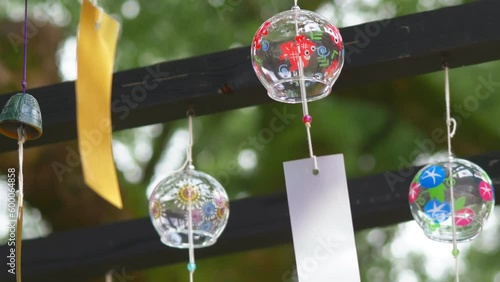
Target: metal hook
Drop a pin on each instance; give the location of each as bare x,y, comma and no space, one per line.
452,123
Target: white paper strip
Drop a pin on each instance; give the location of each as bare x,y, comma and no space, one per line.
320,214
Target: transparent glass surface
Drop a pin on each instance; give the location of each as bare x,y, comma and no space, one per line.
430,199
292,41
178,194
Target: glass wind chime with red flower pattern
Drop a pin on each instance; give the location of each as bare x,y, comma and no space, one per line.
298,55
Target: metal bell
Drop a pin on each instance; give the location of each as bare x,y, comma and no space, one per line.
21,109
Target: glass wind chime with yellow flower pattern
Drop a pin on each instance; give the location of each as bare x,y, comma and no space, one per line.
189,208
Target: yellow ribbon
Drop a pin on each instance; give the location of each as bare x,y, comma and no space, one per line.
98,34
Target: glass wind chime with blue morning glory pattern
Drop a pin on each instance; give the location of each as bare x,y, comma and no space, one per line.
451,199
189,208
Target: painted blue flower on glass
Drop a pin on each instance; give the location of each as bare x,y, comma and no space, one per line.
432,176
209,210
206,226
438,211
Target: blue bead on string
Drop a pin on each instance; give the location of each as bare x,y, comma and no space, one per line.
191,266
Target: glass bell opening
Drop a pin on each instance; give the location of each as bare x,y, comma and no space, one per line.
185,194
294,46
430,199
180,239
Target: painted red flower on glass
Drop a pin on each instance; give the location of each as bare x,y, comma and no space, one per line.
260,33
414,191
464,217
290,51
335,35
485,191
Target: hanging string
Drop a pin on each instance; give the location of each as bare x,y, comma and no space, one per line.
188,162
21,133
450,122
307,119
451,128
109,276
189,153
24,83
19,226
191,266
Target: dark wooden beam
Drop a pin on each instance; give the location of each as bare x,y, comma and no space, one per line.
254,223
383,50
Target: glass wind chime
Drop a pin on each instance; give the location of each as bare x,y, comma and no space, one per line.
21,119
298,55
189,208
452,199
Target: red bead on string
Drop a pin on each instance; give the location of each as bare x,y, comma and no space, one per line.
307,120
